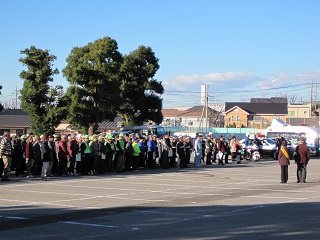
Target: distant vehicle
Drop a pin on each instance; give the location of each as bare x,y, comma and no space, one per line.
311,134
145,130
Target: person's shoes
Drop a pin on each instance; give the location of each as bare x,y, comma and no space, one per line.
30,176
238,162
304,181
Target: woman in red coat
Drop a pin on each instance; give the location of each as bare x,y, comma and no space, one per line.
284,161
302,156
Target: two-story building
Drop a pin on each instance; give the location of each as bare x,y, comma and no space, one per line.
254,114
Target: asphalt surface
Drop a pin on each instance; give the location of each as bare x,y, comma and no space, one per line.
235,201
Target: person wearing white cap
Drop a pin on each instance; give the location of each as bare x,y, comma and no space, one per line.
198,151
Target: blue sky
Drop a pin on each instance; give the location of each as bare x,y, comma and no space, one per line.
240,48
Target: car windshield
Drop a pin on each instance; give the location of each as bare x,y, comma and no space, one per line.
270,141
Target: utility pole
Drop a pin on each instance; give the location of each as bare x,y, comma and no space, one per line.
207,89
311,97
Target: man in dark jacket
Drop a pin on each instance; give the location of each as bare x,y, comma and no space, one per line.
222,151
302,156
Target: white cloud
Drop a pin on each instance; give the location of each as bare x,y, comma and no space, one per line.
184,82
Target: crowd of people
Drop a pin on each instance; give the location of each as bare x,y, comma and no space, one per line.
72,155
46,156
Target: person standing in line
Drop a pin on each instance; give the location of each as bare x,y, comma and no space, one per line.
52,154
181,153
172,159
302,157
142,146
227,152
63,155
233,148
45,156
208,151
5,154
151,147
284,161
18,156
188,149
37,165
128,154
94,161
85,155
135,154
29,156
120,144
111,151
221,150
214,149
198,151
166,149
73,149
102,152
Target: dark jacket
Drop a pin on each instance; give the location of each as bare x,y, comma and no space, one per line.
302,153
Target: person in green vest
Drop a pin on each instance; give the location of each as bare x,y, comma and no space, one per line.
120,153
111,150
135,153
85,150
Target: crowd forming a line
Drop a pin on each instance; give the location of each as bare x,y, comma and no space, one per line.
63,155
71,155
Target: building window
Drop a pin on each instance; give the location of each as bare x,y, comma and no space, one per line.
291,113
235,119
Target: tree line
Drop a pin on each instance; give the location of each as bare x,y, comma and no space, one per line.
103,84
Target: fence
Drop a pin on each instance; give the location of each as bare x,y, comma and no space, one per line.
227,132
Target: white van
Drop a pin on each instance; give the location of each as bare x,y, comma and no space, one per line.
311,134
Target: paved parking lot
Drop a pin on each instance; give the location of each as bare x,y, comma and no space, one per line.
243,201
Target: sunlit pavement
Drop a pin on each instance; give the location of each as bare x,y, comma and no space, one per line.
235,201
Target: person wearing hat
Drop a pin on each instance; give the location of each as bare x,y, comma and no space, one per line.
302,157
135,153
198,151
85,150
111,151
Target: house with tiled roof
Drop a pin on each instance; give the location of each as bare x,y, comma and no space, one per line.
16,121
254,114
190,117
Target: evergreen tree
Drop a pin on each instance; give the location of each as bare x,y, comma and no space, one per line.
38,98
